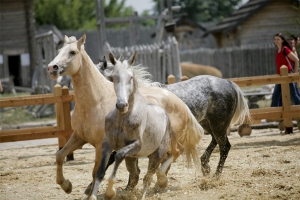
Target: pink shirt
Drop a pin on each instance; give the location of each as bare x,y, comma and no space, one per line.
281,59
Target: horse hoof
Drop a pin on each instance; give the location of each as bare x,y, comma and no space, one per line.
216,176
67,186
88,189
93,197
205,170
110,194
162,184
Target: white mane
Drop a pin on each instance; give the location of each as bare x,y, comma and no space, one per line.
140,72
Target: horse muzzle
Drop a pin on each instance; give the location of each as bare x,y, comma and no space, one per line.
53,71
122,107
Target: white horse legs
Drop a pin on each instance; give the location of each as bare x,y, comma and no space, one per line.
73,143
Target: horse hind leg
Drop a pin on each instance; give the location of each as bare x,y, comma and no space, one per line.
224,150
154,161
205,168
134,172
161,172
73,143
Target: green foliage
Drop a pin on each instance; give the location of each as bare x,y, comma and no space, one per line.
76,14
203,10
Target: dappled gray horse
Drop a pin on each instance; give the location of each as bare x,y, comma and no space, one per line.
216,103
134,128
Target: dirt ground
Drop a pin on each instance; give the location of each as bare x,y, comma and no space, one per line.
264,165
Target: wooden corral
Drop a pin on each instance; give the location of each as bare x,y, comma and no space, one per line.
62,99
17,41
256,22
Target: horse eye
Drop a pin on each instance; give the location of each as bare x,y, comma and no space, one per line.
72,53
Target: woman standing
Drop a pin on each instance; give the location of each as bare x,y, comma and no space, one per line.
284,56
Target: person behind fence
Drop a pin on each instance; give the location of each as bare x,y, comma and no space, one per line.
284,56
293,41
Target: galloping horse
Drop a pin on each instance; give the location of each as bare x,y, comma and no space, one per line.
216,103
95,98
134,128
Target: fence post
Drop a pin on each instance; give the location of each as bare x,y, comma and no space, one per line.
175,58
59,108
184,78
62,118
67,119
286,100
171,79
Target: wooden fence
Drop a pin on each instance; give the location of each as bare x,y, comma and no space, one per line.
287,112
61,98
160,59
244,61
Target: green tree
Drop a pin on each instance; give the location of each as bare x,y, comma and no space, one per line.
76,14
203,10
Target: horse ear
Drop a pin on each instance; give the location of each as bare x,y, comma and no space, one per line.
132,58
112,59
104,63
66,39
81,41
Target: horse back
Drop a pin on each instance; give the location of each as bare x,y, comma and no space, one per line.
206,95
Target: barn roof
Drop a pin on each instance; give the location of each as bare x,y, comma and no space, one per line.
184,20
238,17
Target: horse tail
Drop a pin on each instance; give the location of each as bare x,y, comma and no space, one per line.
194,133
242,109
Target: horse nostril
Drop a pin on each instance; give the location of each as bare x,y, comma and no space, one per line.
121,105
55,67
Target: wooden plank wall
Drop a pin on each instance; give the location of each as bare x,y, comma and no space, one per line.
277,16
17,34
161,59
233,62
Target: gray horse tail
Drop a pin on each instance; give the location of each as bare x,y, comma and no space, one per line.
194,133
242,109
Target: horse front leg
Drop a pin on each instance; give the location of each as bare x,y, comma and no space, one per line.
128,150
73,143
101,168
110,161
134,172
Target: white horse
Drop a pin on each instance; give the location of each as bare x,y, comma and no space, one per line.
134,128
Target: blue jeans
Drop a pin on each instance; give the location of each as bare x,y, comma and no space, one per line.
277,99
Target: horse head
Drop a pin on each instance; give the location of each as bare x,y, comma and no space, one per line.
123,79
68,59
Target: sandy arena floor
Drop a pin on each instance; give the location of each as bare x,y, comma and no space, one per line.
265,165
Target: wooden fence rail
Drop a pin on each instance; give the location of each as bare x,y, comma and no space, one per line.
287,112
61,98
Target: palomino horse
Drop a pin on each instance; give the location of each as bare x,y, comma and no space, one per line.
216,103
95,98
192,69
134,128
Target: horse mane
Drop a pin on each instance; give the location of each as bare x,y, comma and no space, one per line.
141,75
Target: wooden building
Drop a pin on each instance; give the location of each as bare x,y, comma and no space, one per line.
17,41
189,34
257,22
